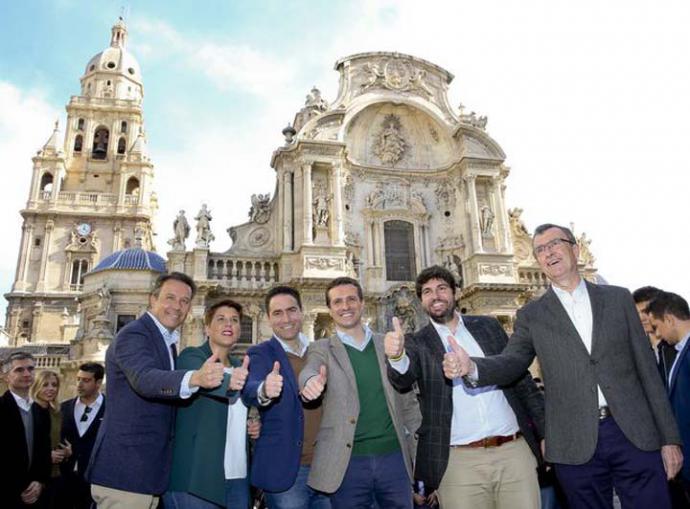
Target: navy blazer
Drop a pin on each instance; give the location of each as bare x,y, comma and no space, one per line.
679,392
133,449
81,445
278,450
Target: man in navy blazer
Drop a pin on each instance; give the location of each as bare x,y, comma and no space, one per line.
670,316
130,463
283,452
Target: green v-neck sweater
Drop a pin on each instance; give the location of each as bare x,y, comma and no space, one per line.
374,433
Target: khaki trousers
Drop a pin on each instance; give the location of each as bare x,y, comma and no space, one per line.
110,498
503,477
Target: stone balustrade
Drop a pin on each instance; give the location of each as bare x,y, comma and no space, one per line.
243,272
532,277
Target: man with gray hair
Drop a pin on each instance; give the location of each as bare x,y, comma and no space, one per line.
25,431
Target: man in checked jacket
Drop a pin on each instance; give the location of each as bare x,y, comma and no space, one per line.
478,446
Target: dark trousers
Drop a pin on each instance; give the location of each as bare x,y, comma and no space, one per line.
638,476
370,479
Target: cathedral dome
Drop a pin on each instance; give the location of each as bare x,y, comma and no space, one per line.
134,258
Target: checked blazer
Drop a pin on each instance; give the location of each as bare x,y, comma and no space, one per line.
425,351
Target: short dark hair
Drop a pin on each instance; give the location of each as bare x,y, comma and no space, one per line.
645,294
667,303
211,310
94,368
174,276
342,281
434,272
20,355
547,226
282,290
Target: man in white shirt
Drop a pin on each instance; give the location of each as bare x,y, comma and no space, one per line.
81,419
474,444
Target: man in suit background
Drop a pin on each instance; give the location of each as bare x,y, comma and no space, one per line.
478,446
606,413
81,420
670,317
25,432
130,463
284,451
361,453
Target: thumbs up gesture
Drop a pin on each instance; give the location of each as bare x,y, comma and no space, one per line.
239,375
456,363
315,385
273,385
394,341
210,375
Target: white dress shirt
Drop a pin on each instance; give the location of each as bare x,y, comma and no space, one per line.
679,348
579,308
79,407
24,404
235,458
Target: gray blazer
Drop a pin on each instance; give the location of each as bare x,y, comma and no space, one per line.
341,411
621,363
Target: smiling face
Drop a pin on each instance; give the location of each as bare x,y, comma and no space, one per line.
171,305
557,257
345,307
285,316
224,329
438,300
49,389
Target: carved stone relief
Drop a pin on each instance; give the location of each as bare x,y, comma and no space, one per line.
260,211
323,263
259,237
389,143
395,74
494,269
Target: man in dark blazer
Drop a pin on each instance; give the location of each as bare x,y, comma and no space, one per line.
130,463
490,436
606,414
25,432
670,317
283,452
81,420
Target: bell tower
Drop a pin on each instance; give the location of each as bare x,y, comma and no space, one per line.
90,194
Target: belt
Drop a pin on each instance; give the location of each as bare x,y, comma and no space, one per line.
604,412
491,441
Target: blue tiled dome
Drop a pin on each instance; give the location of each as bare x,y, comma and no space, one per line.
134,258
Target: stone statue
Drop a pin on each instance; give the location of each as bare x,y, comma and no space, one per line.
103,294
486,219
376,199
181,229
203,227
586,256
389,144
260,211
405,311
315,101
320,212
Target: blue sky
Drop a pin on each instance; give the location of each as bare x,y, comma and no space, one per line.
588,99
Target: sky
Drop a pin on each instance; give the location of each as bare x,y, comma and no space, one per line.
589,100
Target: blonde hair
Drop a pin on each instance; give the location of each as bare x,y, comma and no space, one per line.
41,378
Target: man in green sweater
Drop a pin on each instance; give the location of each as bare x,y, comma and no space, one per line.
361,454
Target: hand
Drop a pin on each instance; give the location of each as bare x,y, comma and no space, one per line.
239,375
456,363
210,375
394,342
67,448
315,385
673,460
254,427
57,456
32,492
273,385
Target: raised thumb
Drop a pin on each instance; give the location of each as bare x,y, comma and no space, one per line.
322,371
245,362
454,345
276,368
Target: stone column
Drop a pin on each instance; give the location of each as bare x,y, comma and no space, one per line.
501,214
306,204
287,211
40,286
308,328
475,226
24,256
337,231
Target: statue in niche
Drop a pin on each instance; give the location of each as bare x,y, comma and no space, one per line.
390,145
260,211
320,211
406,313
376,199
203,227
181,229
486,219
104,299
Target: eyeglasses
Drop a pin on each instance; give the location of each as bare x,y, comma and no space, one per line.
540,250
85,415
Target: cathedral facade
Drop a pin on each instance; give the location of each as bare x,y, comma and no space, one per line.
381,182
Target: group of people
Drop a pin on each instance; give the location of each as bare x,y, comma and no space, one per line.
446,416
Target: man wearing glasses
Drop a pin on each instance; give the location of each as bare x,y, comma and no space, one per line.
81,418
606,415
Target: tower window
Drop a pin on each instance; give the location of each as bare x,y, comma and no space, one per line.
37,242
400,259
131,70
110,65
100,143
79,268
80,124
46,185
121,145
92,68
132,186
123,127
78,141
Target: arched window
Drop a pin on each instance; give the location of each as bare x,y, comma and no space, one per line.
132,186
123,127
79,268
100,143
47,182
78,141
400,253
121,145
80,124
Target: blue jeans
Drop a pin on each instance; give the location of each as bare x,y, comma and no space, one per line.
236,497
299,496
375,480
